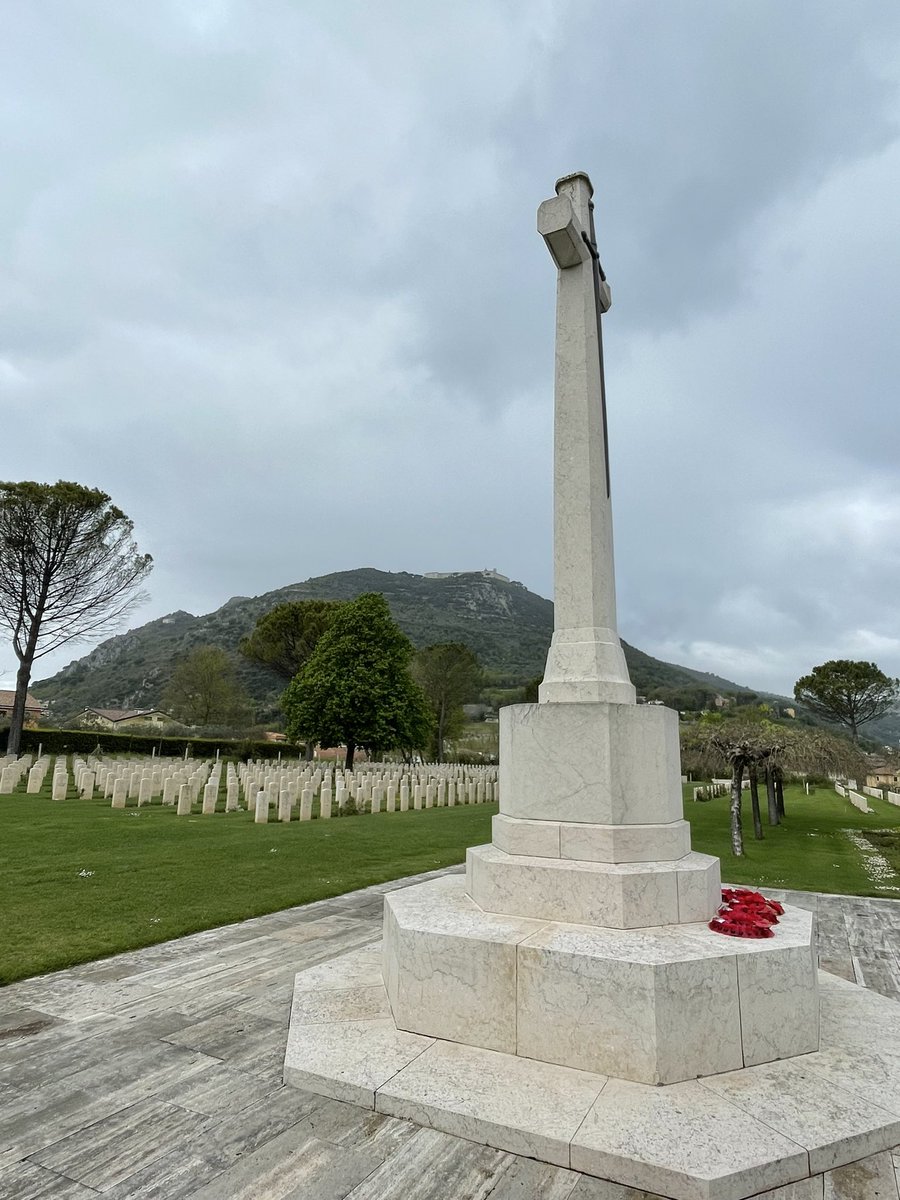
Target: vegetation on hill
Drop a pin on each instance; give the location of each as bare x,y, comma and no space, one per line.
505,625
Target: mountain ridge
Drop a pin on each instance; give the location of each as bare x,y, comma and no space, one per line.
505,624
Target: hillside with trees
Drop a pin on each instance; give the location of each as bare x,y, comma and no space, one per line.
506,627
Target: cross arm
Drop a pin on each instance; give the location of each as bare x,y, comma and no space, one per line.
562,232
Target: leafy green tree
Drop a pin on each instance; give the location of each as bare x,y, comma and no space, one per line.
203,690
449,674
69,570
285,637
848,692
356,688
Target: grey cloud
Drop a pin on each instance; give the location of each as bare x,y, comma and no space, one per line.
269,275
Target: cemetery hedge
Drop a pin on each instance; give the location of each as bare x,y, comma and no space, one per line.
86,741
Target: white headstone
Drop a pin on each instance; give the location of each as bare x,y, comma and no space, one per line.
119,792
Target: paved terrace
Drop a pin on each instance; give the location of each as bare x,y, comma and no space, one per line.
156,1075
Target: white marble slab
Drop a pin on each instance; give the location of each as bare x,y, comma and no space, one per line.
451,967
683,1142
591,842
662,1003
849,1057
349,1060
512,1103
313,1006
834,1126
624,843
617,895
779,1003
699,888
520,836
590,762
651,1006
356,968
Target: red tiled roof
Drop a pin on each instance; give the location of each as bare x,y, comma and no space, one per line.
7,699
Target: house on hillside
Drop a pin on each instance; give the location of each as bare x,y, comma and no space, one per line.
880,773
33,708
123,718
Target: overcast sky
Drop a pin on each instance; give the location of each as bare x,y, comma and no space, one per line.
269,276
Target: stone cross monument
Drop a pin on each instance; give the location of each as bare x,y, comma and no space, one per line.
586,660
591,832
530,1004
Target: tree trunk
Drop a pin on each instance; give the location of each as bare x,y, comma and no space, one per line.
309,750
737,833
779,790
351,750
439,735
754,801
17,720
772,803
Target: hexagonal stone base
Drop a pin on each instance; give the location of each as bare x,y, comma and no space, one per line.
655,1005
800,1129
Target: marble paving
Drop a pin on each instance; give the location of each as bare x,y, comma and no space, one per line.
156,1075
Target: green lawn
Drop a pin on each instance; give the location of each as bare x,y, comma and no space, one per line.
810,851
155,876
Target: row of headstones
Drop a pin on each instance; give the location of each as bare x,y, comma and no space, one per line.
854,797
11,771
118,780
375,788
255,775
263,774
373,797
883,794
717,788
37,773
447,770
173,781
376,782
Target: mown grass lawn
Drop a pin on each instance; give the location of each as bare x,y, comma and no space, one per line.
811,850
155,876
80,880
